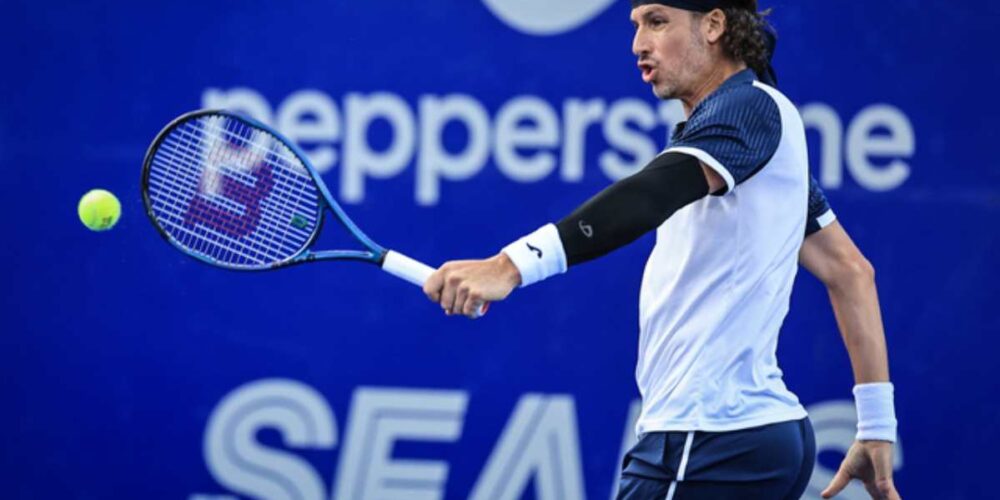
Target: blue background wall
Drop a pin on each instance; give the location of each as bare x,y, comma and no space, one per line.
117,350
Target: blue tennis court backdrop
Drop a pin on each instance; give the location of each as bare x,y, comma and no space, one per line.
449,129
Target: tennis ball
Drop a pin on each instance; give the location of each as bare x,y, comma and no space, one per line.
99,210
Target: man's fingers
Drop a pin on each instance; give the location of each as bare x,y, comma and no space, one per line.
465,287
448,292
881,459
882,464
460,298
432,288
893,495
472,304
872,490
838,483
884,489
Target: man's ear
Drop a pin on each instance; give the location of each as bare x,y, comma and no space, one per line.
713,26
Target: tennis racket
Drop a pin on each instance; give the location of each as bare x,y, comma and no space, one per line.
234,193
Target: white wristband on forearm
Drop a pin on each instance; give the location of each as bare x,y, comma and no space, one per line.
876,412
538,255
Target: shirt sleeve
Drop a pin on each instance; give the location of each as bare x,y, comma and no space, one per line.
735,134
820,214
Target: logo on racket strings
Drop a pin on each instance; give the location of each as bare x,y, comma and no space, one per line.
221,180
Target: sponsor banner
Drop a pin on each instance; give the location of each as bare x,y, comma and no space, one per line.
449,129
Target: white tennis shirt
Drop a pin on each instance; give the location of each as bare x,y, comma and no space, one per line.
716,287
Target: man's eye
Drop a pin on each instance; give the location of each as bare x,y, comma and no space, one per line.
656,22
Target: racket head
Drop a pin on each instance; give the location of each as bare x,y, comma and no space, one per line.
230,191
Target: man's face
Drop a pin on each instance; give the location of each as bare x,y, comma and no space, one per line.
671,49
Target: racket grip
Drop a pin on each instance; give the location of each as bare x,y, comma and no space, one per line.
405,268
414,271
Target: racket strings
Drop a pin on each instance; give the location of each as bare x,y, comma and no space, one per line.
175,153
232,193
206,239
233,224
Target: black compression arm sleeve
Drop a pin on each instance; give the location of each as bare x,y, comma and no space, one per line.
632,207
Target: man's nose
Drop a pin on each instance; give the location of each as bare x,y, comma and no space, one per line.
640,44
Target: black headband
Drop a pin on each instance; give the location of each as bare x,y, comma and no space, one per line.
692,5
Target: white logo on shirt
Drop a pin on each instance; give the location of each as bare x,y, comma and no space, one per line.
548,17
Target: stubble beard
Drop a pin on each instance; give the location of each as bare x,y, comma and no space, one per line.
680,82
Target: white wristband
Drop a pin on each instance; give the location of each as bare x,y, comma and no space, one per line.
538,255
876,412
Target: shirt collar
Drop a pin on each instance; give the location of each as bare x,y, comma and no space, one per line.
743,77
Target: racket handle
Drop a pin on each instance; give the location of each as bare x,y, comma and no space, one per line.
403,267
414,271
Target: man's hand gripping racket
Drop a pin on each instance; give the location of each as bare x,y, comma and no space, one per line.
461,286
234,193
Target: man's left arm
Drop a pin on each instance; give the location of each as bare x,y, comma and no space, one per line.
830,255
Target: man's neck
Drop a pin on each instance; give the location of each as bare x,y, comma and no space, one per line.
712,81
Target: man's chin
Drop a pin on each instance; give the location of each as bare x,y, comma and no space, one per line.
664,93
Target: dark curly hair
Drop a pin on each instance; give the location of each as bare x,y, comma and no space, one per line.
748,37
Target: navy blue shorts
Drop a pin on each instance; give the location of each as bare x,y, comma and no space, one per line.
769,462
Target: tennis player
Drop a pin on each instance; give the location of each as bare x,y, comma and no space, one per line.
735,210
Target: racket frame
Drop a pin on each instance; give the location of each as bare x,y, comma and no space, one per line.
390,261
373,253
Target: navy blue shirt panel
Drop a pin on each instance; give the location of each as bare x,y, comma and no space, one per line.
818,206
738,125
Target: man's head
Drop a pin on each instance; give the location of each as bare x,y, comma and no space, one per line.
681,43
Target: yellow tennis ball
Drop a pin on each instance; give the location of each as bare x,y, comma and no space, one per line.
99,210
